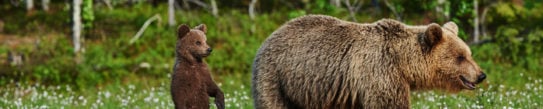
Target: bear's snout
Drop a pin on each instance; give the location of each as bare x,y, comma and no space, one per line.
209,50
481,77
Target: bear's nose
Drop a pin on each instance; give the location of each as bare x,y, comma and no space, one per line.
481,77
209,50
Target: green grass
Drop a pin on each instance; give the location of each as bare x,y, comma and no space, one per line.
65,96
518,91
154,93
147,93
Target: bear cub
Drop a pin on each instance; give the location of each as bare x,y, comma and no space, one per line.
192,84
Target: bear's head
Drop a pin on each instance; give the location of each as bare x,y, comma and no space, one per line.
191,43
451,66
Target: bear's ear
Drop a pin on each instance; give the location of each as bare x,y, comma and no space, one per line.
432,36
451,26
182,31
202,27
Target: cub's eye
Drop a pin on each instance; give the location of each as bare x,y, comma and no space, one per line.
198,43
460,58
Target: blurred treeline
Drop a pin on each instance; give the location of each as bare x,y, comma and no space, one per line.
37,41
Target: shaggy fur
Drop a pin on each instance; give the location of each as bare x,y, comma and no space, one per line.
191,81
318,61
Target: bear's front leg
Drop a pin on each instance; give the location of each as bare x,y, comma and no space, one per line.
214,91
387,95
219,99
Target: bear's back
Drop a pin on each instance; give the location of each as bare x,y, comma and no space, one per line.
316,54
319,35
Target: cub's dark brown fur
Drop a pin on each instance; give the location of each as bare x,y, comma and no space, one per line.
192,84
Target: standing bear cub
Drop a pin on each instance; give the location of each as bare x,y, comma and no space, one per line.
317,62
191,80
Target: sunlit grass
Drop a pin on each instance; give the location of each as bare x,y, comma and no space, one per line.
506,87
489,95
237,96
35,96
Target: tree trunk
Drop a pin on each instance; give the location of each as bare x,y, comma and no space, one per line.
475,37
171,13
214,9
351,10
45,5
483,18
440,8
394,11
77,25
29,5
145,25
252,9
108,4
186,4
336,3
200,3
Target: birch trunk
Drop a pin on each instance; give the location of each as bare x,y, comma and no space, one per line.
29,5
77,25
214,9
252,9
171,13
476,22
45,5
351,10
336,3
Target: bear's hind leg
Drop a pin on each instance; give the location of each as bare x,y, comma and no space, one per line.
267,95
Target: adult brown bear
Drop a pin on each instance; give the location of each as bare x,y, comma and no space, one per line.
318,61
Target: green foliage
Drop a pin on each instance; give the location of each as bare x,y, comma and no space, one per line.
297,13
87,13
461,12
234,38
17,21
415,8
465,8
321,6
521,36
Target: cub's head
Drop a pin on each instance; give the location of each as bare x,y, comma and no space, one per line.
451,66
191,43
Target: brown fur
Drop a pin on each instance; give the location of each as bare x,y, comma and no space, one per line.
319,61
192,84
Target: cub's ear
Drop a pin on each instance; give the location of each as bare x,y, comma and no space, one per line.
432,36
182,30
451,26
202,27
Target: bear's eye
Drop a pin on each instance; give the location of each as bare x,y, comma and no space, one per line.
460,58
198,43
